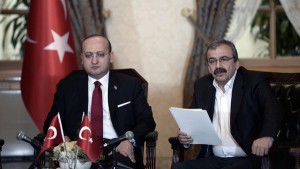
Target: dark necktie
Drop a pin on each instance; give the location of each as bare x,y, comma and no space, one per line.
97,112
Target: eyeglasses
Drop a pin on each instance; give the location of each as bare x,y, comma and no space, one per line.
99,54
222,60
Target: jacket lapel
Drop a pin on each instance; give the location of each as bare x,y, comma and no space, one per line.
211,96
237,95
113,95
83,88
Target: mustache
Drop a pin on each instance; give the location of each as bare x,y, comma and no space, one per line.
219,70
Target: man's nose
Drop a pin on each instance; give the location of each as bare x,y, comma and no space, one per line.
94,59
218,63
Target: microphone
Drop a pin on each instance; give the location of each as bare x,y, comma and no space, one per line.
128,136
1,144
34,143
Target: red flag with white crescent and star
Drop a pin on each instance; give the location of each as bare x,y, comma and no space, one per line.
89,142
54,136
49,55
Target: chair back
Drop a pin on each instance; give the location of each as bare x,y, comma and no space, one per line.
286,87
134,73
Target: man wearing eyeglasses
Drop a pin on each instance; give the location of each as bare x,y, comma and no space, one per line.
124,104
242,107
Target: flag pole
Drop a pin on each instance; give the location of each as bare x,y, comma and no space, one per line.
63,136
61,129
82,116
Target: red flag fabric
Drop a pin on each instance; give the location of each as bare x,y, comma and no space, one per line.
49,55
54,136
89,142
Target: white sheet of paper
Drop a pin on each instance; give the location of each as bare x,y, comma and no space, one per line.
196,123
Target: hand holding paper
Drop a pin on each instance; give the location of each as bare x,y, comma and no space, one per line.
196,123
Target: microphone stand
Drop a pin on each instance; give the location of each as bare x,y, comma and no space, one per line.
114,150
116,164
1,144
36,162
35,165
99,166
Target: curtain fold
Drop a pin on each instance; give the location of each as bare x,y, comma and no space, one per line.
212,21
242,17
86,18
292,10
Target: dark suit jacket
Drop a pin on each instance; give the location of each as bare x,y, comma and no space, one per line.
71,100
255,112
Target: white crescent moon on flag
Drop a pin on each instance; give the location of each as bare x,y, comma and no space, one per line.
30,40
63,2
81,130
54,131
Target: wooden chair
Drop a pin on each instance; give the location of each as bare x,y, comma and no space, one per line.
150,138
287,90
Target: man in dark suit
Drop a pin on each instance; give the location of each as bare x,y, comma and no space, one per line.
243,109
125,106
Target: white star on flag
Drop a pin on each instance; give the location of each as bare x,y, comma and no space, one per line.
60,44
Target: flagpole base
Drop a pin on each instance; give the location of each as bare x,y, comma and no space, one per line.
97,165
35,165
116,164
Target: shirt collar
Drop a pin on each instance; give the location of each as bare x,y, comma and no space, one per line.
229,84
103,80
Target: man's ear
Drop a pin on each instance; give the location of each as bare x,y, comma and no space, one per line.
237,64
111,57
209,70
81,57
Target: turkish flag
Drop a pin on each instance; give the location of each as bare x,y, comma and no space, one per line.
54,136
89,142
49,55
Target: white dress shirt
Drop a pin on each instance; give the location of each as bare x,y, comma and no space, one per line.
221,122
108,128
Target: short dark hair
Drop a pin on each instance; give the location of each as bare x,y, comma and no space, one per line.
95,35
214,44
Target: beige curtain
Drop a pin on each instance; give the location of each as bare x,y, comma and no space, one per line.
212,22
292,10
87,18
243,14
